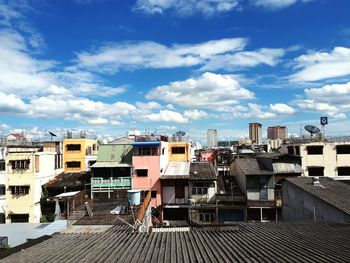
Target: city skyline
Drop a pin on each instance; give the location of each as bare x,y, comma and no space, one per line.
106,67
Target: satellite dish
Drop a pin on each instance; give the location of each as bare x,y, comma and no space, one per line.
52,134
312,129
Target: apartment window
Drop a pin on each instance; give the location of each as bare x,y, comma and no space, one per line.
344,171
2,189
314,150
206,216
145,151
19,190
142,172
179,191
20,164
343,149
201,188
2,219
153,193
297,150
73,164
163,151
2,165
91,163
20,218
58,161
73,147
290,149
316,171
178,150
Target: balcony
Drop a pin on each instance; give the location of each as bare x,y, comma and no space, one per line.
99,184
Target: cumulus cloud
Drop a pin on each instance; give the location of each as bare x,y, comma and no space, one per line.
98,121
10,103
207,91
186,7
276,4
332,100
165,116
281,108
322,65
195,114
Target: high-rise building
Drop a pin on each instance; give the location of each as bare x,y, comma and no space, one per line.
255,132
212,138
277,132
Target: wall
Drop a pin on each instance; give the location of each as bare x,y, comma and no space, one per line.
168,193
180,157
152,181
69,156
299,205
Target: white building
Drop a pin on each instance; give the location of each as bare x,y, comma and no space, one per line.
2,184
321,158
212,138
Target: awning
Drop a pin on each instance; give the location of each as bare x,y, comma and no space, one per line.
110,165
153,143
67,194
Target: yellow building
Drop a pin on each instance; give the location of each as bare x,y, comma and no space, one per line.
180,151
27,169
79,154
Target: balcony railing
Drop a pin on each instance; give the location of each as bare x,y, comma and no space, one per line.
100,184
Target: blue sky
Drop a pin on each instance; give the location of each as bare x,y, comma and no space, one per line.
105,66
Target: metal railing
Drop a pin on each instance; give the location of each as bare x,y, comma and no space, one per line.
119,182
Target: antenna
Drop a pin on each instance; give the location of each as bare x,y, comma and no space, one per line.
324,122
312,129
52,134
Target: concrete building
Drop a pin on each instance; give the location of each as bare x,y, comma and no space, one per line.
150,159
321,158
255,132
316,199
79,154
2,184
277,132
180,152
212,138
113,168
27,169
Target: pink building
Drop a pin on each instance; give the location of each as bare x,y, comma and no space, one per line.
149,160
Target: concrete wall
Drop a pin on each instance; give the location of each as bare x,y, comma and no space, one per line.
299,205
168,193
330,160
180,157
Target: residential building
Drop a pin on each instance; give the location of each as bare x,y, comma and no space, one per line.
212,138
203,187
175,192
3,180
113,168
321,158
79,154
277,132
316,199
180,152
224,157
27,169
150,159
255,132
258,184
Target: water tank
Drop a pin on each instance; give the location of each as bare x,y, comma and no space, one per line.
134,197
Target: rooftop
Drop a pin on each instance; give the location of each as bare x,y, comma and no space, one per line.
68,179
251,166
177,170
244,242
333,192
202,171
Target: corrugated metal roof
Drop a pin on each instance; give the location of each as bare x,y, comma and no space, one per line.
333,192
202,171
251,166
245,242
177,169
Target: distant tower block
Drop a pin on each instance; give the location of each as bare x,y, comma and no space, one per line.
255,133
212,138
277,132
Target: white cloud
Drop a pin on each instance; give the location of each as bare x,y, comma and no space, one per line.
98,121
207,91
195,114
148,54
276,4
245,59
322,65
10,103
165,116
186,7
281,108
